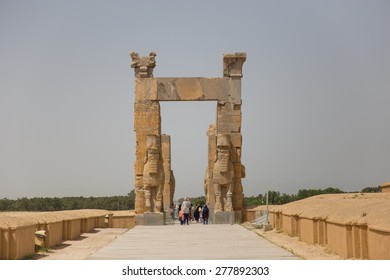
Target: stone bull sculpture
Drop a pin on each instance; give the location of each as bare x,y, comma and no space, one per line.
223,175
153,175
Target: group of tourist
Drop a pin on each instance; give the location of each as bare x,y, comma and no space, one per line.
186,213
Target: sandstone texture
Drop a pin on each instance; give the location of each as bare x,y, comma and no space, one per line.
353,225
154,182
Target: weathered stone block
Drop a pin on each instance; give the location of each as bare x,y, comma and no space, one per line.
228,119
147,117
224,217
232,64
151,219
145,89
166,147
229,124
238,197
139,167
236,139
235,91
193,89
267,227
147,121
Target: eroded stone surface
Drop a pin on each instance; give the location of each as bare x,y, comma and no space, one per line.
223,174
154,180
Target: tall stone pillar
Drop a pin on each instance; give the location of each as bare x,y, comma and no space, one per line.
147,124
169,179
146,121
229,128
208,184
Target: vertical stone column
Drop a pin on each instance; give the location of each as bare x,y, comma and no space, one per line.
229,123
233,68
208,184
169,180
147,121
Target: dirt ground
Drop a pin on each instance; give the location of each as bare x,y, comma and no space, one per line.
82,247
294,245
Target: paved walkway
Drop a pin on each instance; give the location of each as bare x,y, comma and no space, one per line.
193,242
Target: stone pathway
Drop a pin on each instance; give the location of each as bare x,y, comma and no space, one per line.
193,242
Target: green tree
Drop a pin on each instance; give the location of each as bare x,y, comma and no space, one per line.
371,190
305,193
6,204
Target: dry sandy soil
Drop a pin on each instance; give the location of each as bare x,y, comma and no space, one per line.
82,247
294,245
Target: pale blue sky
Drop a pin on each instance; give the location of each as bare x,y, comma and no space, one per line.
315,91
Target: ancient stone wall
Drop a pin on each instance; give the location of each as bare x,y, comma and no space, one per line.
17,229
123,219
354,226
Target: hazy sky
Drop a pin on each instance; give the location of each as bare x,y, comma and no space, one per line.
315,92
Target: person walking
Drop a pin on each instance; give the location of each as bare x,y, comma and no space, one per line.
196,213
172,212
186,209
205,214
200,211
181,217
176,211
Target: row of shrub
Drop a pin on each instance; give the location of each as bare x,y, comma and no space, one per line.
127,202
43,204
276,198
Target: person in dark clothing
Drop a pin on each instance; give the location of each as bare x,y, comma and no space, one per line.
196,213
205,215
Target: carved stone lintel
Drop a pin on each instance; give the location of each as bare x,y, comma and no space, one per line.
143,66
232,64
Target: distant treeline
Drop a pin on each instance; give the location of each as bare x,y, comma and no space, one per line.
275,198
43,204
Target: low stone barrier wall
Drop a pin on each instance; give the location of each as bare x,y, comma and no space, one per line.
378,243
53,232
123,219
251,214
17,229
354,226
17,242
17,238
72,228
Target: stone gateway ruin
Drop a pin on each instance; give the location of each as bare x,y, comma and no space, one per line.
154,180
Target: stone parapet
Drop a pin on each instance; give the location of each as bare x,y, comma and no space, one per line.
123,219
353,226
17,229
